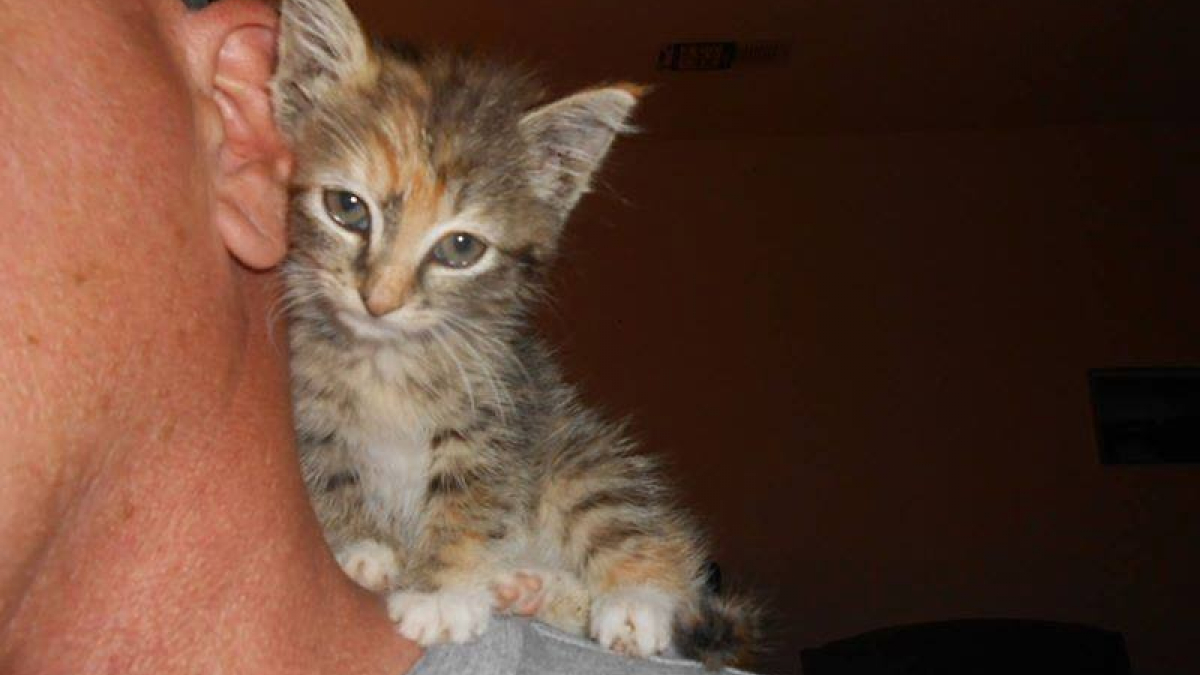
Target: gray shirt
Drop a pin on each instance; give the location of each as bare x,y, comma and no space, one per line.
521,647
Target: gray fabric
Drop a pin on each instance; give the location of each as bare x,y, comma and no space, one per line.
522,647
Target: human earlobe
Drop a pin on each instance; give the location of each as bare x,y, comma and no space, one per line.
253,162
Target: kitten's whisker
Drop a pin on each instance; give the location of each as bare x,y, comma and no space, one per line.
290,300
499,348
274,312
504,400
285,305
437,335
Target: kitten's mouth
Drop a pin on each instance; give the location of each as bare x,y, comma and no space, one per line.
370,328
375,329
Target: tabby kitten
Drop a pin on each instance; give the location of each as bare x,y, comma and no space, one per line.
445,456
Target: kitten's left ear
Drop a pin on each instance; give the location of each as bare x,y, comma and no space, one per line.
321,45
570,137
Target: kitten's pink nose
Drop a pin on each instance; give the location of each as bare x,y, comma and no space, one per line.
380,301
386,289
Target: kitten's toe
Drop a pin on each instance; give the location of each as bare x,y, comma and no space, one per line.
634,621
521,592
450,615
371,564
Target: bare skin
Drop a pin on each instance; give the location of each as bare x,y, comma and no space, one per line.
152,518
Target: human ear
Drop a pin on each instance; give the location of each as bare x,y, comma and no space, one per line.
253,162
229,54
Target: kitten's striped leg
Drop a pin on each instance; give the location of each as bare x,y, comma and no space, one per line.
639,578
638,558
449,597
366,554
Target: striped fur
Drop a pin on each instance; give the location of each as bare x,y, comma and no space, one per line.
430,418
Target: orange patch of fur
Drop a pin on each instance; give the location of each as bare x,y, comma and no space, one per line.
652,562
461,559
390,283
638,91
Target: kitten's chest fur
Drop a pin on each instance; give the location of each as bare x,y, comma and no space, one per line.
393,473
369,425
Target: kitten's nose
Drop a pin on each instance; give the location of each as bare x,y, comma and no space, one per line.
386,289
380,301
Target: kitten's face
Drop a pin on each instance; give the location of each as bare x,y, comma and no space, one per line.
428,193
400,227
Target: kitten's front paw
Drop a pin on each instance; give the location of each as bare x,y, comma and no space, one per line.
371,564
450,615
633,621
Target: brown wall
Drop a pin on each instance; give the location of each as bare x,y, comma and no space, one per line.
867,354
867,357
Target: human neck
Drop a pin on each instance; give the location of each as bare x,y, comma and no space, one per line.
199,553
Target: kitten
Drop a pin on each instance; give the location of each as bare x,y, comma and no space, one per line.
445,456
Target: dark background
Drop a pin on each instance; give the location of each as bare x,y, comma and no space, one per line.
854,295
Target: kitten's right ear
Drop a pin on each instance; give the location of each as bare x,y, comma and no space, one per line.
321,45
570,137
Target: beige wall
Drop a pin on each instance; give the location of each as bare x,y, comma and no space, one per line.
867,356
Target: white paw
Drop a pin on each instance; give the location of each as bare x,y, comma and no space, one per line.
634,621
371,564
451,615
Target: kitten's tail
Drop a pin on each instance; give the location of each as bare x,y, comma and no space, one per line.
725,630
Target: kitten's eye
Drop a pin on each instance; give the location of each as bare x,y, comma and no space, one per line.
348,210
459,250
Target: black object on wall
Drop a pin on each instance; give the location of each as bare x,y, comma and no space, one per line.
1147,415
974,647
